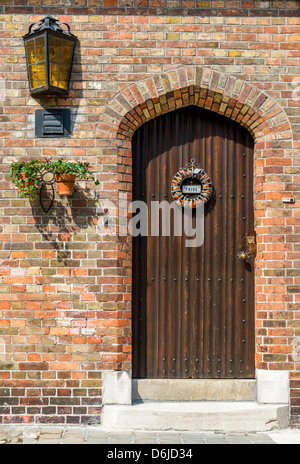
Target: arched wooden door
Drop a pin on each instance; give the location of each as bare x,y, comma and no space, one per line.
193,308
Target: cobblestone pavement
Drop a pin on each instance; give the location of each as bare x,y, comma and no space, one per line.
31,434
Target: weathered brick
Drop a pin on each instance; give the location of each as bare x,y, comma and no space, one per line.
8,366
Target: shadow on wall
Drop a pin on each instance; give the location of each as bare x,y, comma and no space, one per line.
65,226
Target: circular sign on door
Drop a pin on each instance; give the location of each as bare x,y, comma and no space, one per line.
191,186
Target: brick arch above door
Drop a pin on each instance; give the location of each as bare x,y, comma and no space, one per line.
224,94
275,151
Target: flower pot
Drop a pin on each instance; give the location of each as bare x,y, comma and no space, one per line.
65,183
24,184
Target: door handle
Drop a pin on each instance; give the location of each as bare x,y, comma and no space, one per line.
249,249
243,256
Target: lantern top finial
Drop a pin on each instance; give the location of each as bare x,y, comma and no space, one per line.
49,23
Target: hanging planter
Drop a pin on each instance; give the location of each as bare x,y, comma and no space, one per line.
66,172
26,177
37,178
65,183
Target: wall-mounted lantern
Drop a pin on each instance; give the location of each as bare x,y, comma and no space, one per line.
49,54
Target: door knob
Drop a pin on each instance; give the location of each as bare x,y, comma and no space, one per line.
249,250
243,256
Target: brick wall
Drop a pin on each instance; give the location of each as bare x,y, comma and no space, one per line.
65,295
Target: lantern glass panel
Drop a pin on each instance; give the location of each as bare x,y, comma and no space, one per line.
33,76
66,52
54,70
40,49
64,76
54,48
41,74
30,52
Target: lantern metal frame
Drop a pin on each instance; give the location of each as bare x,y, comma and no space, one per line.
47,28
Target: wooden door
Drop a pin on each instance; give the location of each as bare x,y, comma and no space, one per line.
193,308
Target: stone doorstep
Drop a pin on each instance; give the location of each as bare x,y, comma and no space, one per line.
193,390
233,416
